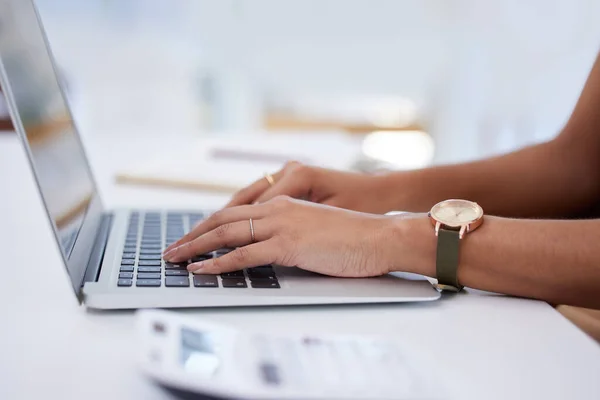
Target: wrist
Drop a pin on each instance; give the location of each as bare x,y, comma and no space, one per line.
397,189
410,244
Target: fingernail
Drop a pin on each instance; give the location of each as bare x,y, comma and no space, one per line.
195,267
168,256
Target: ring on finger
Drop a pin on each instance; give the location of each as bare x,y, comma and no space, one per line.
270,179
252,236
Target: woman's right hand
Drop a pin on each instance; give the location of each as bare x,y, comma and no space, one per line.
354,191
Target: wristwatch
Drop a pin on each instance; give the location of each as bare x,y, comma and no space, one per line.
452,219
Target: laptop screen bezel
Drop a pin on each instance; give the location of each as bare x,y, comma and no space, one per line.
76,261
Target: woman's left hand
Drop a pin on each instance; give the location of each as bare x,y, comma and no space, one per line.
289,232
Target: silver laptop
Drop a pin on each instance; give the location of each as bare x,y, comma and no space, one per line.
113,258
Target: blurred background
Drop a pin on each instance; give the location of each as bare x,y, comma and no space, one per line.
436,80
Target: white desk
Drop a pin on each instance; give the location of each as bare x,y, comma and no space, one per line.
493,347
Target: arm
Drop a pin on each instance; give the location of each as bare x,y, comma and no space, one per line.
555,261
555,179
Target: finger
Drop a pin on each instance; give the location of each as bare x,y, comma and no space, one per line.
219,218
249,194
288,185
227,235
254,255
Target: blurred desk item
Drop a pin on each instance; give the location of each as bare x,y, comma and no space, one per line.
491,346
259,156
5,122
230,162
5,126
341,112
175,183
281,122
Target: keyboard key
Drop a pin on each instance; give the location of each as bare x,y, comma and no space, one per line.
176,272
124,282
147,282
176,266
125,275
129,249
222,252
234,283
206,281
234,274
149,269
149,263
156,256
202,257
265,284
148,275
127,261
177,281
128,256
151,245
126,268
150,251
155,239
261,273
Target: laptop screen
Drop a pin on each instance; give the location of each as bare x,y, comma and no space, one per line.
39,107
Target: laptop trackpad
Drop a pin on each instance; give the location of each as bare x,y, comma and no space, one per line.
296,277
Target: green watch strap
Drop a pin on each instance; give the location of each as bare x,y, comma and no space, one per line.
448,246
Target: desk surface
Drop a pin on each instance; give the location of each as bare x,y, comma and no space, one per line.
493,347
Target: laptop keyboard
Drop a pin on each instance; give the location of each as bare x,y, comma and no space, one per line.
149,233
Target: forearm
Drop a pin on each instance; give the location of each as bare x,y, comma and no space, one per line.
555,261
555,179
547,180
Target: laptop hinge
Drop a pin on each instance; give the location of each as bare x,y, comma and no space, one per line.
92,271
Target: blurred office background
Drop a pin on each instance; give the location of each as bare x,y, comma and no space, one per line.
449,80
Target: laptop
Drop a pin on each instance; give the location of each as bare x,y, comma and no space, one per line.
113,257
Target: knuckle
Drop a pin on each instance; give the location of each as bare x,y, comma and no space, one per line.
240,254
303,171
281,202
291,165
222,230
217,263
214,219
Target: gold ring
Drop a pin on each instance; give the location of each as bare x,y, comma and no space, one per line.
270,179
252,231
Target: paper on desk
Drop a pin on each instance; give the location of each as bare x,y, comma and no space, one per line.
198,163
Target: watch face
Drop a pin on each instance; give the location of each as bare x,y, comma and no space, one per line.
456,213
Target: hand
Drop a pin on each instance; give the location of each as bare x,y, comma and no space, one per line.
353,191
288,232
